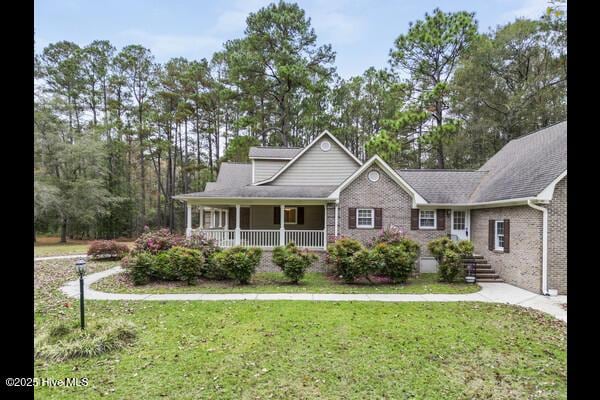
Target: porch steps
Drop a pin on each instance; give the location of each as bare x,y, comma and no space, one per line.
483,270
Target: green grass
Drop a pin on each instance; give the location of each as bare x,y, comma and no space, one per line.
309,350
62,249
59,249
275,282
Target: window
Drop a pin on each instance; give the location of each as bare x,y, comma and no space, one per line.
426,219
499,235
458,223
373,176
291,215
365,218
223,218
325,145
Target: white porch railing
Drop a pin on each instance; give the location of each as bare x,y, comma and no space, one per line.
259,237
224,238
266,238
310,239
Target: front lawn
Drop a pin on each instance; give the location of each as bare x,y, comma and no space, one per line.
47,249
275,282
307,350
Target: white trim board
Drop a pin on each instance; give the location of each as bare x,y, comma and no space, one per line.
293,160
417,198
548,192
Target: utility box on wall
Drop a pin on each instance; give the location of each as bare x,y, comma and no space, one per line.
428,265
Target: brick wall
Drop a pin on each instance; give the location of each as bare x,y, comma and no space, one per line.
396,206
522,266
557,238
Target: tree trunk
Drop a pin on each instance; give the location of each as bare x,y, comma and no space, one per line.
63,231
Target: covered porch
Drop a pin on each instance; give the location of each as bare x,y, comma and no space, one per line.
264,224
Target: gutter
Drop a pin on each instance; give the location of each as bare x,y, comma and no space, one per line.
544,245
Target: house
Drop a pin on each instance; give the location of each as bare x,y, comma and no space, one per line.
513,208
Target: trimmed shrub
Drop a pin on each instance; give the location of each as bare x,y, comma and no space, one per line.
107,249
140,267
364,262
339,255
186,263
394,261
239,262
178,263
292,261
63,341
449,255
451,267
157,241
208,248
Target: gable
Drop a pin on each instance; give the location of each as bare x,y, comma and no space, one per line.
318,167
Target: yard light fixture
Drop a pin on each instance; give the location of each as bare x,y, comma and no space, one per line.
80,266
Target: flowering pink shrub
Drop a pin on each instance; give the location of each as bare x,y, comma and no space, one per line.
157,241
107,249
389,236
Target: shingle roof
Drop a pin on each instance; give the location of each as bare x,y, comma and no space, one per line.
524,166
442,186
235,180
231,175
285,153
268,191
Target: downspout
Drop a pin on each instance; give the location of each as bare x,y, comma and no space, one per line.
544,245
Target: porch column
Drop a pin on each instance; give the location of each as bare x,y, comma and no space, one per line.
188,231
237,225
226,219
201,217
325,227
282,226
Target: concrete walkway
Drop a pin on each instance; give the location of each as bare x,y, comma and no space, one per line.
60,257
490,293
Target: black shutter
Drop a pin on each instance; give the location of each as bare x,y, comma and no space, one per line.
491,234
378,218
276,215
441,219
300,215
507,235
414,219
352,218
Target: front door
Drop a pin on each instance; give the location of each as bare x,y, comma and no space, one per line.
460,224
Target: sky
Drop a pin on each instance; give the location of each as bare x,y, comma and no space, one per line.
361,32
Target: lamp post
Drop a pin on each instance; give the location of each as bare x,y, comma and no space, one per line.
80,266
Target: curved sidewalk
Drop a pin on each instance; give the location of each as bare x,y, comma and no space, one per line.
490,293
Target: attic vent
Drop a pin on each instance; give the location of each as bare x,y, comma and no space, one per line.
373,176
325,145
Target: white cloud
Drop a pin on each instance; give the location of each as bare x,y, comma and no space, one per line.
529,9
233,19
165,46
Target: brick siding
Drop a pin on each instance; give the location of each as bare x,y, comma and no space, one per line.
522,266
557,238
395,202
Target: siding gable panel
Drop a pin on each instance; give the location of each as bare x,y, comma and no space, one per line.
318,167
264,169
